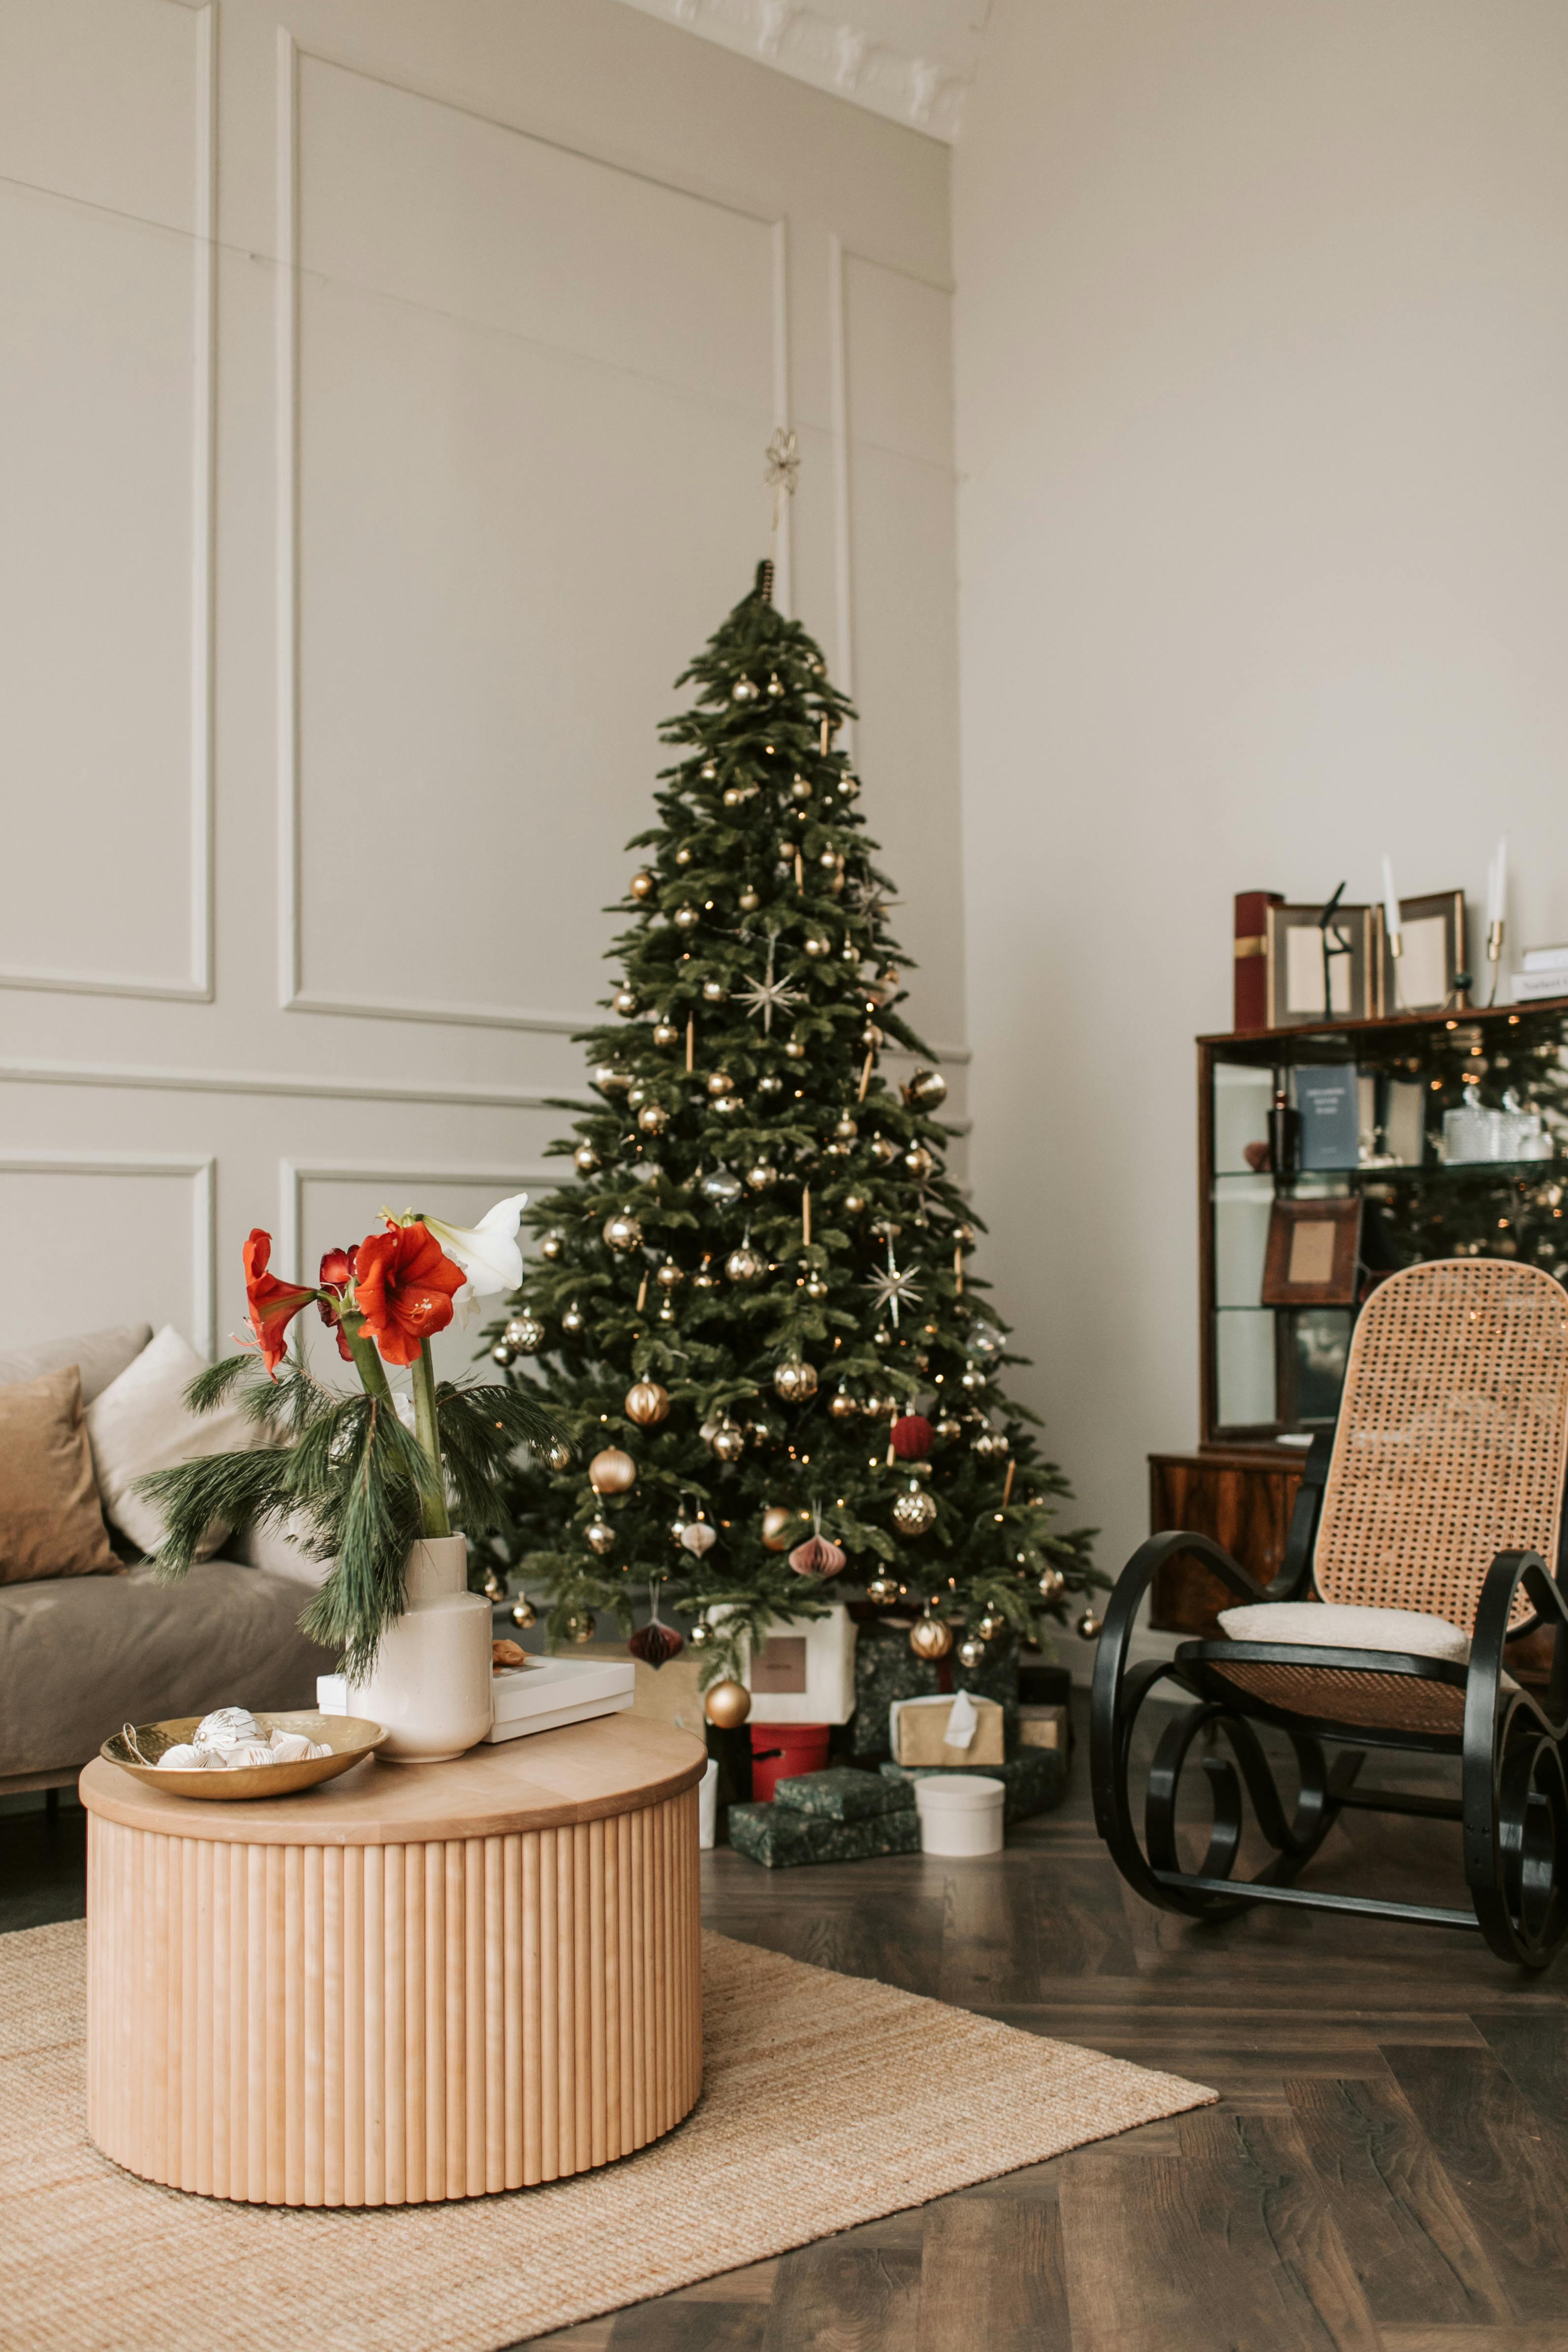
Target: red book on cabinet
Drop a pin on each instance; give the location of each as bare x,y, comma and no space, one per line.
1252,948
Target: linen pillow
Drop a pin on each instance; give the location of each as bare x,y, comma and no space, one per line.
50,1522
279,1549
1337,1626
141,1422
99,1357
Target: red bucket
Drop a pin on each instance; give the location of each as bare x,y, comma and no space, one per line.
780,1750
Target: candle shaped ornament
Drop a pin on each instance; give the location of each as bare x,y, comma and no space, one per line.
1497,897
1391,923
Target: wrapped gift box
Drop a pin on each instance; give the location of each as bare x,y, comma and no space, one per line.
1043,1727
1035,1780
843,1794
886,1668
920,1733
780,1837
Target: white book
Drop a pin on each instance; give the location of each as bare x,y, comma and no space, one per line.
541,1695
1530,986
1546,960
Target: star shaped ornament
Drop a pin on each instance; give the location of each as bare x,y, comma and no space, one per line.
763,996
894,1289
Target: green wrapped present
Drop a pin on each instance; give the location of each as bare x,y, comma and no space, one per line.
886,1668
843,1794
1035,1780
780,1838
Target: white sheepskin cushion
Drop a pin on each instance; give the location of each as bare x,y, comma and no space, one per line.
1327,1625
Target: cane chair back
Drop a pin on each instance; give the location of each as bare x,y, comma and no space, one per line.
1452,1441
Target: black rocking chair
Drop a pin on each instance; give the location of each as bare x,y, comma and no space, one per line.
1440,1491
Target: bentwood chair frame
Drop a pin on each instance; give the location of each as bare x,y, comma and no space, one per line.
1441,1489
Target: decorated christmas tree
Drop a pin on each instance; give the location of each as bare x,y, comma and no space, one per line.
752,1307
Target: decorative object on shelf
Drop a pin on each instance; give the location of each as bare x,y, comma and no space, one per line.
1284,1149
1424,972
1313,1256
1320,963
1251,957
1328,1100
368,1491
1496,914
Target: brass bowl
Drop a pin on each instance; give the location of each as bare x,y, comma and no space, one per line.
349,1736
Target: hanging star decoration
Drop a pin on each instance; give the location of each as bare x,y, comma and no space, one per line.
782,461
763,996
894,1289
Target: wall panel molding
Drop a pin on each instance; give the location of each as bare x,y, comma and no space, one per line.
293,996
200,1174
294,1175
146,1078
197,988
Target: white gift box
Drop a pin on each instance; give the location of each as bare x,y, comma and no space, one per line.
805,1671
538,1697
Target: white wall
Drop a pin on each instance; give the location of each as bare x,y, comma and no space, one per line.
386,385
1261,341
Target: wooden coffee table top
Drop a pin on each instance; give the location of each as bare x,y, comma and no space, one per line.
616,1764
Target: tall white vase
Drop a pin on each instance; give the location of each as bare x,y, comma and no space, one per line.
430,1686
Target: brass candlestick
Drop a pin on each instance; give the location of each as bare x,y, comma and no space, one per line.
1495,931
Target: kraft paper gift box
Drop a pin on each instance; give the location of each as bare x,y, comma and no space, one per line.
921,1731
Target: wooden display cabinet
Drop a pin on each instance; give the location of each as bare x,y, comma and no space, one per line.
1272,1375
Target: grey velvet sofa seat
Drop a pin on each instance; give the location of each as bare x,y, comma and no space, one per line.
80,1655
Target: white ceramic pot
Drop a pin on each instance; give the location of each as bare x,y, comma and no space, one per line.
431,1688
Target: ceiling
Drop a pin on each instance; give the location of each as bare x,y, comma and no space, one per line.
910,59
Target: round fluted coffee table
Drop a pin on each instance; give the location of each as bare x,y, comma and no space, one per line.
416,1981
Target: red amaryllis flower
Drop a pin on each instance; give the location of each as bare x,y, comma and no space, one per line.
403,1286
336,1273
273,1304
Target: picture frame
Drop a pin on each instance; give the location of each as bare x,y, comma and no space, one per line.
1432,934
1313,1253
1295,980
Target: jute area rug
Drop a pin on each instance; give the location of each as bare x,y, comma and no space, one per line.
828,2101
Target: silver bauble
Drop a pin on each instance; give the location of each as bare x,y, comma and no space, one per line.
721,1186
600,1537
971,1650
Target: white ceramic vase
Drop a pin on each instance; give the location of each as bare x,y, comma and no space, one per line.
430,1686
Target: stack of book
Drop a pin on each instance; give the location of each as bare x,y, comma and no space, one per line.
1544,972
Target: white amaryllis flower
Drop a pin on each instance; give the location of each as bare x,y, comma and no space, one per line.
487,1252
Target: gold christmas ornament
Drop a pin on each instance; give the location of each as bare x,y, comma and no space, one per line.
972,1378
714,991
558,1455
1089,1626
683,855
918,1161
883,1149
523,1613
727,1704
685,919
990,1626
666,1033
728,1443
642,885
748,902
523,1333
701,1634
842,1406
777,1527
599,1536
770,1084
855,1202
846,1127
817,945
670,1274
762,1176
624,1000
573,1320
965,1236
607,1077
991,1444
927,1089
719,1082
882,1590
800,787
623,1231
913,1513
581,1625
729,1104
653,1119
931,1637
585,1158
494,1588
744,1265
698,1537
814,1285
743,690
647,1403
553,1243
612,1472
501,1354
794,1049
795,1381
1052,1584
971,1650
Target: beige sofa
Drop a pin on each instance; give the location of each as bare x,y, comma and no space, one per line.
80,1655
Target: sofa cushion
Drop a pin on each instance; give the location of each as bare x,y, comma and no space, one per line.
1340,1626
50,1522
141,1422
80,1657
99,1357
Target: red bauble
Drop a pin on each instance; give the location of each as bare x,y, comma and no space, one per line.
817,1557
655,1645
911,1437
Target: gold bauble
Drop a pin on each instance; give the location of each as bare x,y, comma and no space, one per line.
795,1049
928,1089
647,1403
882,1589
666,1033
748,902
494,1588
653,1119
523,1332
727,1704
761,1176
853,1203
777,1527
573,1320
913,1513
990,1626
581,1625
1088,1626
714,991
719,1082
624,1000
558,1456
971,1650
599,1536
795,1381
728,1443
846,1127
523,1613
685,919
612,1472
843,1407
622,1230
744,1265
1052,1584
585,1158
671,1275
552,1245
641,884
931,1637
918,1161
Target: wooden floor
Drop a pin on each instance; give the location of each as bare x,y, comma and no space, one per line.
1387,2171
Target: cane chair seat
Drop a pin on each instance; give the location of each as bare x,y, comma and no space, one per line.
1358,1696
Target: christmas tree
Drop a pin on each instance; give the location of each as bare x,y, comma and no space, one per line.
751,1307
